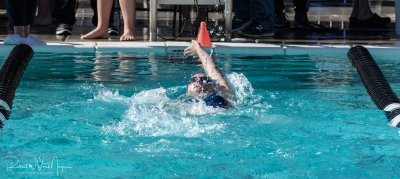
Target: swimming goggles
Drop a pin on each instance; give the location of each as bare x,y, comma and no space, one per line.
203,79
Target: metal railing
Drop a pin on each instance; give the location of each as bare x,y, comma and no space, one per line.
227,13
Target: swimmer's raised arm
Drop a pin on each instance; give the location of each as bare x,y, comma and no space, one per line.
210,68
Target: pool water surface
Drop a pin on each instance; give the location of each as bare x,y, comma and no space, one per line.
122,115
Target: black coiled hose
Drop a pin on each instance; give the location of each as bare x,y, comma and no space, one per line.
375,83
10,75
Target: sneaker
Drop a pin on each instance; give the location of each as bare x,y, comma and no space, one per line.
256,30
374,22
14,40
301,21
281,20
64,29
353,22
112,31
31,40
239,24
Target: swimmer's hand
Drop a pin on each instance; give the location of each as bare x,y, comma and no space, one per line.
192,49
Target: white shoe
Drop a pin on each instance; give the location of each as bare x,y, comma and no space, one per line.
14,40
31,40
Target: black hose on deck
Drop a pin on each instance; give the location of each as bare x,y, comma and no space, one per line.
10,75
375,83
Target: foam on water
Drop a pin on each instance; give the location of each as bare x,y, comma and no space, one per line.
153,113
241,86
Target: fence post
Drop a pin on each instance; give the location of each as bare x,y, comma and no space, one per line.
397,12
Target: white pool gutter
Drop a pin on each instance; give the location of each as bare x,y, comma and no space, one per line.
257,49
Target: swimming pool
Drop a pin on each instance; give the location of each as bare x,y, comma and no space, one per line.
107,114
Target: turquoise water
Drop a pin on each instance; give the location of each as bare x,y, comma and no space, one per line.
120,115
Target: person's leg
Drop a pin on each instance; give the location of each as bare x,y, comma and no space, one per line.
356,7
188,27
241,9
30,17
65,11
65,15
241,18
21,15
201,16
279,6
44,13
112,30
103,12
363,17
280,20
16,16
93,4
262,15
111,21
262,11
301,8
364,10
27,29
30,13
128,13
20,30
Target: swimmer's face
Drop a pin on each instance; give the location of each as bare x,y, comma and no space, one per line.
200,83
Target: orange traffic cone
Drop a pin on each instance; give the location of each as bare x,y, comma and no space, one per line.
204,38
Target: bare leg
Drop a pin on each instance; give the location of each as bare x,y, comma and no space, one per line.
364,11
27,30
20,30
354,12
128,13
103,11
44,13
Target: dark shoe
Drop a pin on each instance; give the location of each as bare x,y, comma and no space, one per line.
302,23
64,29
281,20
353,22
112,31
309,27
373,22
301,20
256,30
239,24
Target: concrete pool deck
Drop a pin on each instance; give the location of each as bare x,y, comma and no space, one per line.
331,14
338,37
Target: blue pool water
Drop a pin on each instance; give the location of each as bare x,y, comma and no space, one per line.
120,115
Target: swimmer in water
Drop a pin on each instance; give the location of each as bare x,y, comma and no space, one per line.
213,88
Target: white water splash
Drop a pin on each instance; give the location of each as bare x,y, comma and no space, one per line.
241,86
152,113
106,95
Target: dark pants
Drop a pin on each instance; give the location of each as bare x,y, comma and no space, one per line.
64,11
261,11
301,6
21,12
93,3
